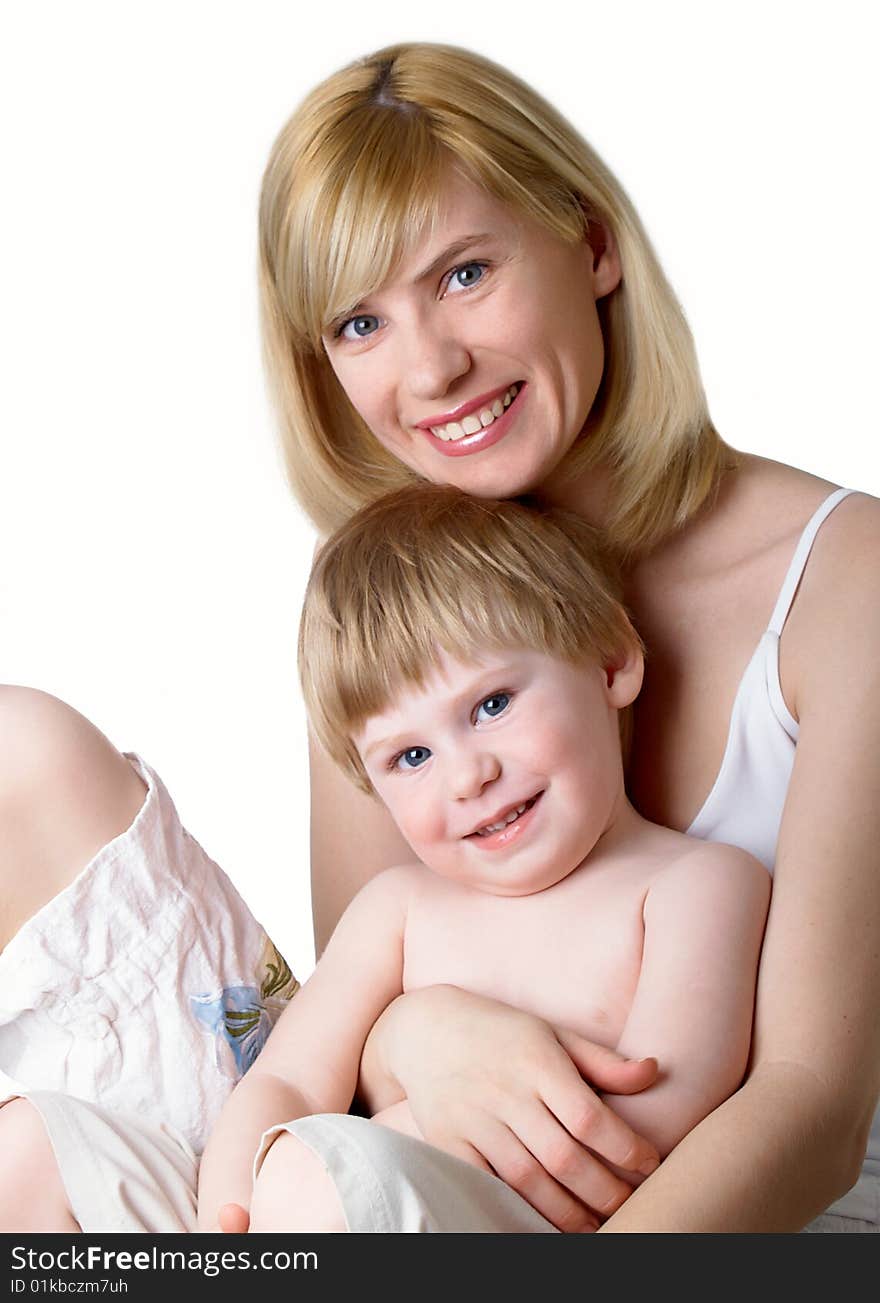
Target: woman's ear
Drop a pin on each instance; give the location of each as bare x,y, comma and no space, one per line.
623,679
606,259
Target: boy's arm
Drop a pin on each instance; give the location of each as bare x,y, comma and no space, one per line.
310,1061
704,921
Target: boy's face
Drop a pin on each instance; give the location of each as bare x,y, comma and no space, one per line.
503,774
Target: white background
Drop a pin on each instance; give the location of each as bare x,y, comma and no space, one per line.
152,558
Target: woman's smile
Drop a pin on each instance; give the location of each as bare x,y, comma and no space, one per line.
485,425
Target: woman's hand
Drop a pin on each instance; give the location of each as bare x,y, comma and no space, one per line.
506,1091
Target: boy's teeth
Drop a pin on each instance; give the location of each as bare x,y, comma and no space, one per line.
476,421
496,827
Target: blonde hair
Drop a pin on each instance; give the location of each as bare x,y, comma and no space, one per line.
352,183
430,569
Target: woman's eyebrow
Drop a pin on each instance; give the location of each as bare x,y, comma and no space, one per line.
446,255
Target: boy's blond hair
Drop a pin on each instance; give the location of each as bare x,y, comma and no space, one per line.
354,181
430,568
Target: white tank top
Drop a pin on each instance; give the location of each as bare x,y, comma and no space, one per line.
744,807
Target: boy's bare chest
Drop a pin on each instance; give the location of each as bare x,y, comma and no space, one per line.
571,957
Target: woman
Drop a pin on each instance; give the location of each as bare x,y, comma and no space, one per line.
438,238
437,242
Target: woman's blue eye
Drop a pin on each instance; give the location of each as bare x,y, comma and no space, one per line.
466,276
494,706
358,327
412,758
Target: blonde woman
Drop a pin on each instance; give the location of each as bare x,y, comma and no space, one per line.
456,288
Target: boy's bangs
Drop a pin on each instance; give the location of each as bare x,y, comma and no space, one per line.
428,571
399,643
374,204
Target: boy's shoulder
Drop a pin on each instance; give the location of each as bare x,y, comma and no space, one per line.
709,869
397,881
383,901
685,852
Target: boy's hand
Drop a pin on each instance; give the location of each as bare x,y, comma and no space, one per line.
503,1089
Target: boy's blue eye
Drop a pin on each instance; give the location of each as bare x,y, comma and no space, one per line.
412,758
493,706
468,274
358,327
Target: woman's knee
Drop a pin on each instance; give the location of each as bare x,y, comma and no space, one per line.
65,791
32,1193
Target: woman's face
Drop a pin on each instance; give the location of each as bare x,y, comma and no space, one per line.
478,362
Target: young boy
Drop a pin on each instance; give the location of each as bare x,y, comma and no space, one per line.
469,663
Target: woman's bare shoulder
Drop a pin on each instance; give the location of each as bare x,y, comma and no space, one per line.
760,507
789,496
774,498
833,630
844,558
761,514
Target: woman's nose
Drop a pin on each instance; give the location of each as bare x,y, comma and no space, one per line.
472,772
434,361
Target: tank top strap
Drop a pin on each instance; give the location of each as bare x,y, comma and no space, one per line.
799,560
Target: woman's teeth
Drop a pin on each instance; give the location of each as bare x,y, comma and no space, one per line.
510,818
477,420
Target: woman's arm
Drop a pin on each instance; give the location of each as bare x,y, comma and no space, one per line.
353,837
791,1141
310,1061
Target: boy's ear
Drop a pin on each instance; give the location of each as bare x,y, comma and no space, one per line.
623,679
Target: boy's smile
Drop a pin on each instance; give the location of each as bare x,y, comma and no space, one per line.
507,825
502,774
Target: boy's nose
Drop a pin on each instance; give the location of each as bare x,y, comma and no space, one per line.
473,772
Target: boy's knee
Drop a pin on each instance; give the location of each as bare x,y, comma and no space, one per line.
65,791
294,1192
